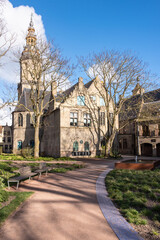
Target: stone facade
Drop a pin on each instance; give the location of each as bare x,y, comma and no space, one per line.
74,121
6,139
71,128
141,133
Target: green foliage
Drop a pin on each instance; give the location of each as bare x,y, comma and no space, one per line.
1,183
133,216
115,154
27,152
3,196
155,232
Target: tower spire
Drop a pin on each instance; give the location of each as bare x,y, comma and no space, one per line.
31,36
31,21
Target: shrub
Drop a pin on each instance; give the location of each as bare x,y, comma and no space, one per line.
133,216
2,185
27,152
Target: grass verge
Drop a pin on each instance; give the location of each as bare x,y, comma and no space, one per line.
62,168
137,195
13,157
7,210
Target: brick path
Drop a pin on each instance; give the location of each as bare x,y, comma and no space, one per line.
63,207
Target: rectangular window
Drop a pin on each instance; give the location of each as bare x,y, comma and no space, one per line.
102,118
81,100
6,147
4,139
8,133
9,139
111,117
87,120
73,118
10,147
146,131
102,103
5,133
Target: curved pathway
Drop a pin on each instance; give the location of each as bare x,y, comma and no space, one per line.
63,207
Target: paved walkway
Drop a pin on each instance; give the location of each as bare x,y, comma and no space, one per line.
64,207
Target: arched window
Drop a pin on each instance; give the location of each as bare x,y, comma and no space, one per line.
86,146
75,146
28,120
20,120
19,145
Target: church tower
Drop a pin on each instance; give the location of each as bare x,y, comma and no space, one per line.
26,59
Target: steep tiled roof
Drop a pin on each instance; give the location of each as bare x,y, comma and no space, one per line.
25,101
131,107
87,85
62,96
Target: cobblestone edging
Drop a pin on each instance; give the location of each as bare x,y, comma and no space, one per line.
119,225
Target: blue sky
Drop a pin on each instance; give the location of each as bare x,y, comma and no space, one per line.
84,26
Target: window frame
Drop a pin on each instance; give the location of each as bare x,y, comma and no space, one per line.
75,146
87,119
74,118
20,120
102,118
80,100
19,148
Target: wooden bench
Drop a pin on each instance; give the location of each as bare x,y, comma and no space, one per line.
25,172
43,168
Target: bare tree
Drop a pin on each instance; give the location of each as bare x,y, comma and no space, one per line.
6,42
118,73
43,70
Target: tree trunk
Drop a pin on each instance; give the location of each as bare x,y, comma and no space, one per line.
36,139
109,143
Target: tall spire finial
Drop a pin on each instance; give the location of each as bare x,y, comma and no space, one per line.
31,22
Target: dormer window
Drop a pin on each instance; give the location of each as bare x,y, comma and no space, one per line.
81,100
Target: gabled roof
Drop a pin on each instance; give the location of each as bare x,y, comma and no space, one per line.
131,107
62,96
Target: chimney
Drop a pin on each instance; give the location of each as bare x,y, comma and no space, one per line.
80,83
54,89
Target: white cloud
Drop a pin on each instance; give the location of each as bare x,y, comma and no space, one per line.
17,21
5,115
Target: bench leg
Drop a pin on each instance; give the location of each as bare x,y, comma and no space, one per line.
8,185
30,178
17,185
46,172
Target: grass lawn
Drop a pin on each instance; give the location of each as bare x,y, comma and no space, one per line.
13,157
19,197
137,195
